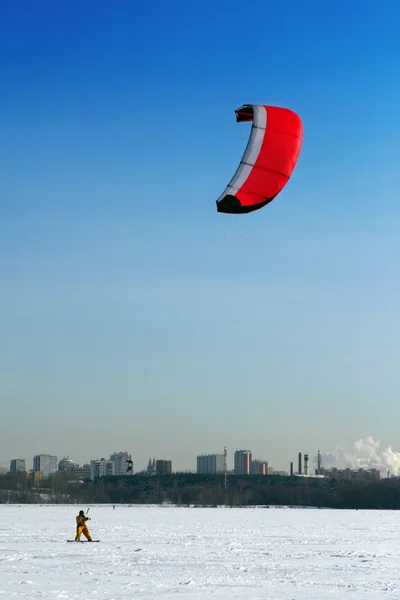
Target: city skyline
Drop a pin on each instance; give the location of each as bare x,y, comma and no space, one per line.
120,464
134,315
366,453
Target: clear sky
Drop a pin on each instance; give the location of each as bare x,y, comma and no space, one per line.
135,317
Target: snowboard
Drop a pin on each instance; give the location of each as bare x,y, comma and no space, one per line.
83,541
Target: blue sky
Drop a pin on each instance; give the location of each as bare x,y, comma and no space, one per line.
132,315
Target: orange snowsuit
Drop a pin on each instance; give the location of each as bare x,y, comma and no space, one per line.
82,528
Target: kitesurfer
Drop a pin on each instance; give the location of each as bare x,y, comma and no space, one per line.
81,527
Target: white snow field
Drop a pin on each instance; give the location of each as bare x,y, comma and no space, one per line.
199,553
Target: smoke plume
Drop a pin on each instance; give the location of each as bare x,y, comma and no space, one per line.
365,454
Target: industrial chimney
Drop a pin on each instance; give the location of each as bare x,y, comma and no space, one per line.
300,469
319,463
306,464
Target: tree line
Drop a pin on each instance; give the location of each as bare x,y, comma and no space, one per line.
188,489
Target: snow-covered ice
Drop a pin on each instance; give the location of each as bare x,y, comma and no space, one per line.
191,553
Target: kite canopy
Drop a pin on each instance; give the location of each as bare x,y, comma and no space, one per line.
269,159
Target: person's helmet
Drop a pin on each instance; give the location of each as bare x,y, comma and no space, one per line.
81,512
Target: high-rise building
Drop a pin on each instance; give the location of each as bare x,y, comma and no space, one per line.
242,462
163,467
101,468
45,464
259,467
121,459
17,464
82,473
211,463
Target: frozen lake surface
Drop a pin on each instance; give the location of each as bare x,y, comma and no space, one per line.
199,553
